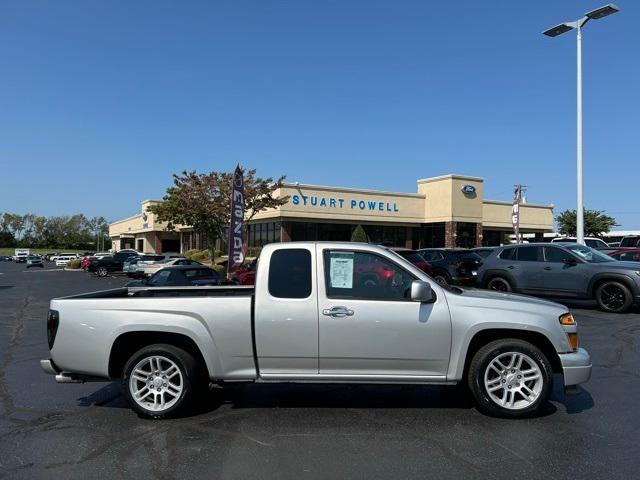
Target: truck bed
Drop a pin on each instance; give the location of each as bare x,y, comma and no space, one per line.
123,292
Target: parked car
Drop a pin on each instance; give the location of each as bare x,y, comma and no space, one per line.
5,258
66,256
180,276
34,261
452,266
414,257
483,252
152,268
246,274
103,266
63,259
563,270
626,254
631,241
134,266
310,319
592,242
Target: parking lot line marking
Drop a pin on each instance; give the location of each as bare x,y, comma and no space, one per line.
43,270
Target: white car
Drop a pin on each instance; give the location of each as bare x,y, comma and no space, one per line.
592,242
152,268
63,260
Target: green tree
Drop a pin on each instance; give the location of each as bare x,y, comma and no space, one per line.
203,201
359,235
596,223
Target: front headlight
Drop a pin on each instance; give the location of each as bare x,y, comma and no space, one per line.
567,319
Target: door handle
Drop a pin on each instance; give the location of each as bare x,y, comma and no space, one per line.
511,267
337,312
547,268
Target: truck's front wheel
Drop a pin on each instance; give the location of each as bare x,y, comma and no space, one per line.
510,378
159,381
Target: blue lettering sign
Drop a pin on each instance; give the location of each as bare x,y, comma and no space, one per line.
332,202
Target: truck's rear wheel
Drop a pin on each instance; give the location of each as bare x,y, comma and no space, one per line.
160,380
510,378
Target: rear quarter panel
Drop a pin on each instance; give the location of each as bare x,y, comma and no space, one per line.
219,326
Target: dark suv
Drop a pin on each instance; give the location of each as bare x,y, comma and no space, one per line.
104,265
567,270
452,266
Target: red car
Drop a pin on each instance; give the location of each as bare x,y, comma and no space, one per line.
415,258
626,254
246,274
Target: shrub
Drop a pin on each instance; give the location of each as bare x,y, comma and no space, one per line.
253,251
220,269
197,254
218,253
359,235
73,264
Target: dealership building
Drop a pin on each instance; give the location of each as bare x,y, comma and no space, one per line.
445,211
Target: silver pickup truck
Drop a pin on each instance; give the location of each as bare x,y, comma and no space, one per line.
319,312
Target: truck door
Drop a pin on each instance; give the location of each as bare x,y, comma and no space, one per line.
286,312
368,325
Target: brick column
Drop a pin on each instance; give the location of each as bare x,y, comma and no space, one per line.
285,232
449,234
479,235
408,243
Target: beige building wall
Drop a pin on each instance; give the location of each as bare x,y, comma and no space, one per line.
440,199
446,201
497,214
346,205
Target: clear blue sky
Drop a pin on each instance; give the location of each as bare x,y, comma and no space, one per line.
100,102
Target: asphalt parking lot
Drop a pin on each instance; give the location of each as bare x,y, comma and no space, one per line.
84,431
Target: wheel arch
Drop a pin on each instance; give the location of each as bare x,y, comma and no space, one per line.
537,339
489,274
599,279
128,343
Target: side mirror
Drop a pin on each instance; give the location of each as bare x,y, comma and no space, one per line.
421,291
572,262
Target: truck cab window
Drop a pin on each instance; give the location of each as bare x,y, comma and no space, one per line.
290,273
365,276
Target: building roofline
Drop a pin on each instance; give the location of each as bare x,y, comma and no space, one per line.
138,215
352,190
504,202
451,175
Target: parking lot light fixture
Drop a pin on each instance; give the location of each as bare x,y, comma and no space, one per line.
596,14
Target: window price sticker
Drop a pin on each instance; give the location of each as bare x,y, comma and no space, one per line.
341,270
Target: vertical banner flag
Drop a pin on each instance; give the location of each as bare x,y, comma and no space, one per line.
515,212
236,229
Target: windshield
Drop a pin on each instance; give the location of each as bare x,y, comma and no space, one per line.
589,254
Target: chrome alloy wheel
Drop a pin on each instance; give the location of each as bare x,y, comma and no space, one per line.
156,383
513,380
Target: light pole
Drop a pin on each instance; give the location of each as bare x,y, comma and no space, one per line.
554,32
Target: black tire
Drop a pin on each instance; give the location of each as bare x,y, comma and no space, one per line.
102,271
480,364
614,297
499,284
442,278
191,380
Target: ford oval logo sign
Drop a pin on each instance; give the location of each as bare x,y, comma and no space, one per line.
468,189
